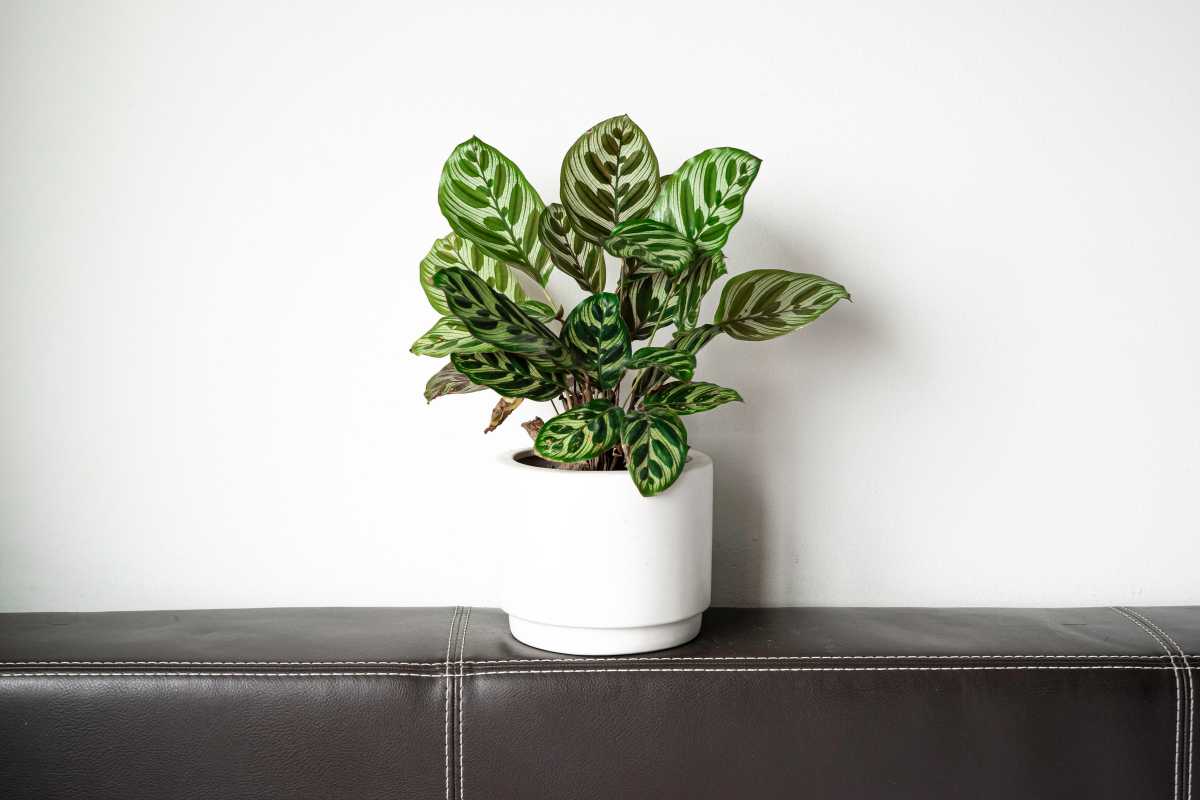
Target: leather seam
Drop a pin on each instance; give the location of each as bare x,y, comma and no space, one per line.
1121,611
176,674
446,734
462,647
1190,718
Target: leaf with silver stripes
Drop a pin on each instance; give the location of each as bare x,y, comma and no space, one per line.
656,446
678,364
569,251
581,433
540,311
448,380
454,251
493,318
689,341
695,283
653,244
609,175
645,296
448,335
704,197
508,374
690,398
765,303
595,332
486,199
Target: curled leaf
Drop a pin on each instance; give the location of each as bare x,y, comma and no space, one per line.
501,411
449,380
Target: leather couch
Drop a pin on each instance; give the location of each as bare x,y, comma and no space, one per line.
442,704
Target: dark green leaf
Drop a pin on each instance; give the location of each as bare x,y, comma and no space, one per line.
695,283
448,335
676,363
656,446
689,341
765,303
594,330
654,244
704,197
643,297
581,433
569,251
690,398
609,175
508,374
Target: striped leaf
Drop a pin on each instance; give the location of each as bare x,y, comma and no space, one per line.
656,445
643,297
448,380
454,251
448,335
690,398
704,197
486,199
508,374
538,310
689,341
765,303
654,244
581,433
493,318
609,175
595,332
569,251
678,364
696,282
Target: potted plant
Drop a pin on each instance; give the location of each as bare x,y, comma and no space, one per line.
618,557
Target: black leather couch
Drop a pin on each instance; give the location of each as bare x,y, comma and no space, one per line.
440,703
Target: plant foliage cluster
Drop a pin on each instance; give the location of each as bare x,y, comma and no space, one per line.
617,407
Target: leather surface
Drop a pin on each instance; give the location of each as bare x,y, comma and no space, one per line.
442,703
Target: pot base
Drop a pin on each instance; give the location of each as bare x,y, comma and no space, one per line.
603,641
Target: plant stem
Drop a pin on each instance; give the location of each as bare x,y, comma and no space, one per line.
662,314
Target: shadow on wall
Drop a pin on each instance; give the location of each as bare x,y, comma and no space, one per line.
763,469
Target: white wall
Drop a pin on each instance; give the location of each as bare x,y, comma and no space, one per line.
212,216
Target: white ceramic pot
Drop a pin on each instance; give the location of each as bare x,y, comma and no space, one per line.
593,568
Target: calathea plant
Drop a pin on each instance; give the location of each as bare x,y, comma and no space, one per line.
617,408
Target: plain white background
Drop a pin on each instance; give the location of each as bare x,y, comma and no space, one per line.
211,216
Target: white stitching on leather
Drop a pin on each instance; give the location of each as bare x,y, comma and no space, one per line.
446,739
145,674
1178,701
462,646
1191,729
234,663
810,669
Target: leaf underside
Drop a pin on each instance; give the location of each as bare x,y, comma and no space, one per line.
765,303
656,446
609,175
704,198
447,381
690,398
581,433
569,251
454,251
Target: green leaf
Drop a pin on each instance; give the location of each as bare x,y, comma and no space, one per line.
448,335
656,446
654,244
704,197
690,398
569,251
643,297
493,318
689,341
676,363
486,199
581,433
696,282
765,303
538,310
448,380
594,330
609,175
508,374
454,251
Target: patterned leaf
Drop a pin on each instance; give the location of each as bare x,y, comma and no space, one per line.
696,282
594,330
538,310
691,398
569,251
643,296
448,380
656,446
454,251
503,409
448,335
486,199
765,303
495,319
581,433
654,244
609,175
704,197
686,341
509,375
676,363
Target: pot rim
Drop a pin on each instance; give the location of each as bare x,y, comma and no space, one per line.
697,459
